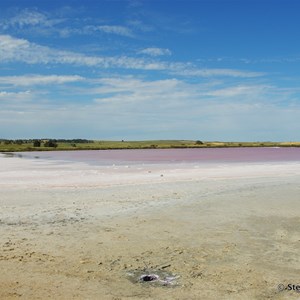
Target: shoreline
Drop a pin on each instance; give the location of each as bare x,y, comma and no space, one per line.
30,173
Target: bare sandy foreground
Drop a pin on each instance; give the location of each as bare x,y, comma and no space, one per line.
74,231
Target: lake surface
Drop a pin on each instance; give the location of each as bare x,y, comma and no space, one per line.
208,155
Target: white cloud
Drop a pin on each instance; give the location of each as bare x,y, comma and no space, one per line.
15,96
29,80
140,26
128,90
240,90
146,108
91,29
119,30
29,18
155,51
127,93
20,50
214,72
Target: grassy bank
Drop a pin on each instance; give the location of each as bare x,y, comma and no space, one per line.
44,145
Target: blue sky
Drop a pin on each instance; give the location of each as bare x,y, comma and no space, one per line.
210,70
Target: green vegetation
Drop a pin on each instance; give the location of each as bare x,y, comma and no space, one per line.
82,144
50,143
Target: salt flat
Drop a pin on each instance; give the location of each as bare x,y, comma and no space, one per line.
75,231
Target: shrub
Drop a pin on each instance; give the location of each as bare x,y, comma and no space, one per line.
50,143
37,143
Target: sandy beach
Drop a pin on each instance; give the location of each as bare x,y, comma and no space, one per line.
78,231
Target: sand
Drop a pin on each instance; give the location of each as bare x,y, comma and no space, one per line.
75,231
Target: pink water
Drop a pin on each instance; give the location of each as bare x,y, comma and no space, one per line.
211,155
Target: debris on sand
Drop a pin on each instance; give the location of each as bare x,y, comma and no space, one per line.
153,277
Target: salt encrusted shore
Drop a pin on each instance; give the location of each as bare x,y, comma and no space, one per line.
74,231
20,173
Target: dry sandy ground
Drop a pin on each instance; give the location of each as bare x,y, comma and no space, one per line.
72,231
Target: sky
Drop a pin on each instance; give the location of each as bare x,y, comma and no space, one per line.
218,70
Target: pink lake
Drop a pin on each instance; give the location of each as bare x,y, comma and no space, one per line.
208,155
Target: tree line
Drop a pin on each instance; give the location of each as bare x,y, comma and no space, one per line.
45,142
